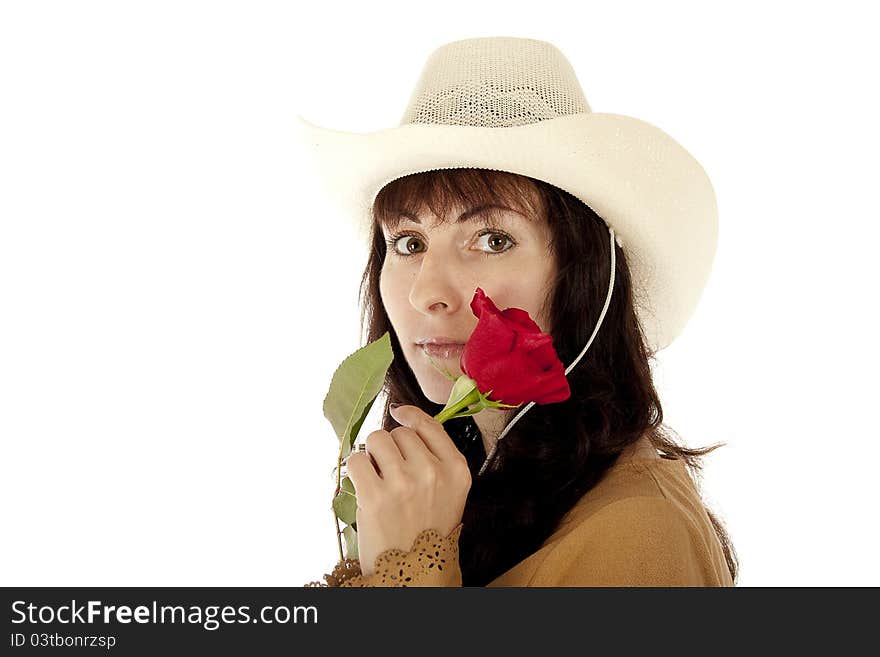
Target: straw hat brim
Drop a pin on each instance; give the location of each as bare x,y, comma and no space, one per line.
642,182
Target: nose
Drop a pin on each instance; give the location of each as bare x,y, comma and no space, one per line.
438,286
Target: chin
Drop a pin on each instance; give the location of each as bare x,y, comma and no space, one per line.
437,388
434,385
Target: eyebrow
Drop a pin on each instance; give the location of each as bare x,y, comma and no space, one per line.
467,215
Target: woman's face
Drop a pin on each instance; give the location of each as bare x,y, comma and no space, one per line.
432,270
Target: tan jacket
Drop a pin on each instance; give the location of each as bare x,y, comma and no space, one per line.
643,524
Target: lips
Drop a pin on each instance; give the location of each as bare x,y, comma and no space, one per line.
440,339
443,351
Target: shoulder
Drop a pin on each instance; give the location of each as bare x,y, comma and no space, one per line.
639,489
639,522
632,541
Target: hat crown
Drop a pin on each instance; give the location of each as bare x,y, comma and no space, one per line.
495,82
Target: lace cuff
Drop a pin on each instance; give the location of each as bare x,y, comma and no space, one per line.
432,561
345,569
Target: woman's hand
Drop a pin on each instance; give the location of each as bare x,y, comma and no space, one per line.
421,481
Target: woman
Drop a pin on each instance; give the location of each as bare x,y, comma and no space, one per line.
494,180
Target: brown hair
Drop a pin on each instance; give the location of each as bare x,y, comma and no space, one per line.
555,453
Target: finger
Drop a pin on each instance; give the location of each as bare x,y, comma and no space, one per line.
413,448
359,448
382,447
362,474
430,431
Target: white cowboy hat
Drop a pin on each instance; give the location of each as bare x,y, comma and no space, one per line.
515,105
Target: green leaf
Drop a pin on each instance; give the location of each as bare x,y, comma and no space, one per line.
345,503
352,436
354,387
463,387
351,542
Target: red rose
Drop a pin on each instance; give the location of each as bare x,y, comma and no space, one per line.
508,354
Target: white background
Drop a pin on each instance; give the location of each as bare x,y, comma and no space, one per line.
175,295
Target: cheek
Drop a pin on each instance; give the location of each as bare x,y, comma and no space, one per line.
390,291
383,289
531,298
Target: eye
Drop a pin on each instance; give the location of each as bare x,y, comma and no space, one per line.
497,238
494,244
394,239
